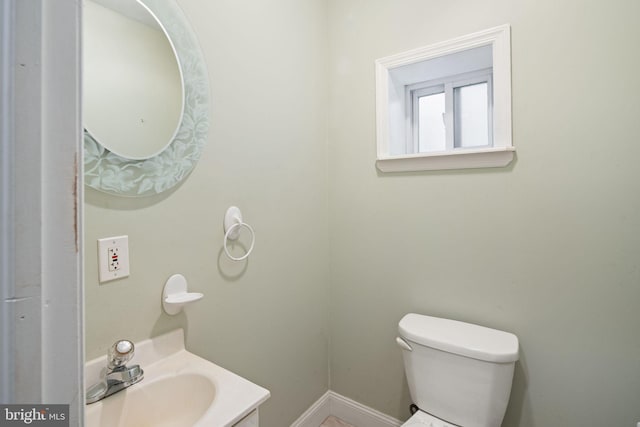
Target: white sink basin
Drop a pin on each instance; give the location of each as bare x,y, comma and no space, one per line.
178,389
156,403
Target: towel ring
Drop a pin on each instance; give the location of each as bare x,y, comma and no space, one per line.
233,224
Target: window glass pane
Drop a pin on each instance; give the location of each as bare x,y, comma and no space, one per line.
471,116
431,135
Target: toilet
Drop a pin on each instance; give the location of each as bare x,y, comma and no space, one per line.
459,374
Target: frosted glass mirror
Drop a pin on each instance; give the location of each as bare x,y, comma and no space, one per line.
129,60
145,104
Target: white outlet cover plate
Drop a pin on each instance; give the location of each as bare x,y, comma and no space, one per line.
120,242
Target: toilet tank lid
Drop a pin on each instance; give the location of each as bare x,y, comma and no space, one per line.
464,339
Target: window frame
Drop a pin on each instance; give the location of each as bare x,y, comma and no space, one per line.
391,114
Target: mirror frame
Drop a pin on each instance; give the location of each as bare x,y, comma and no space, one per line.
108,172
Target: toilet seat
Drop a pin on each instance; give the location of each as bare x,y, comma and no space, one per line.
422,419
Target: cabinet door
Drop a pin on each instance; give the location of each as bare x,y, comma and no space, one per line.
250,420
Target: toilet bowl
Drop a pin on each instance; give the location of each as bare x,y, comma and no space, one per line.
456,371
422,419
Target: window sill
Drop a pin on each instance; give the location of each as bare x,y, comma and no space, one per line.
460,159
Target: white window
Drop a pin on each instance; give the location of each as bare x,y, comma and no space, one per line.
446,106
450,113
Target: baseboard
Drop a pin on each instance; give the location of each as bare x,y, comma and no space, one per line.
316,414
355,413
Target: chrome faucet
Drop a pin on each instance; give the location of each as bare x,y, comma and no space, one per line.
117,376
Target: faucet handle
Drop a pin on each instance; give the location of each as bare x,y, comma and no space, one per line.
120,353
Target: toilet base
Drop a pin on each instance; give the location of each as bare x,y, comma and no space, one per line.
422,419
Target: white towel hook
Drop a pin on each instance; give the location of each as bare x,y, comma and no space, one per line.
232,225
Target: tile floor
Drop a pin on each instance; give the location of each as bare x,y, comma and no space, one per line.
332,421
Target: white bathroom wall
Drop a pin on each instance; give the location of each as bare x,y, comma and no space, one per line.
546,248
264,319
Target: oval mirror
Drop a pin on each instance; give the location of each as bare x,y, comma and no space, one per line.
129,61
145,96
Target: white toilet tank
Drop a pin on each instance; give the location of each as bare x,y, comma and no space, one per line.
458,372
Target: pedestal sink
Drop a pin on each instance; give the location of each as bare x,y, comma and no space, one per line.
179,389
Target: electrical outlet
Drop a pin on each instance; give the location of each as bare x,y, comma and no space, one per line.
113,258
